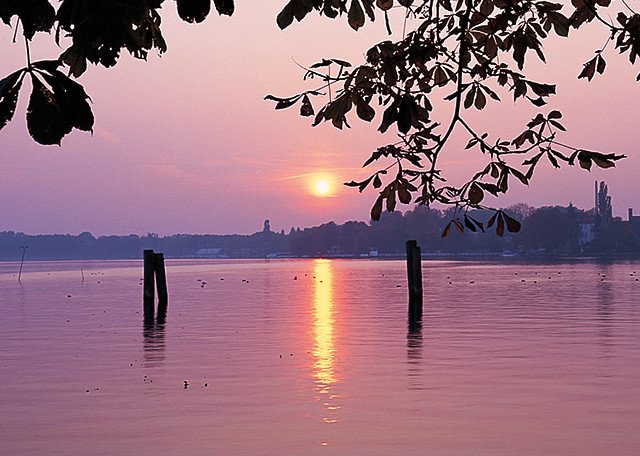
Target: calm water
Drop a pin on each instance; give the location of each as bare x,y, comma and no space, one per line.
316,357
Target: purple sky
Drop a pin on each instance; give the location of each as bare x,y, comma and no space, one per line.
185,143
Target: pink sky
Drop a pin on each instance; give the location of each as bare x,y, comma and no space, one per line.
185,143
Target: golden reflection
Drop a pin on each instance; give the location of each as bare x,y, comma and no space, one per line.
323,331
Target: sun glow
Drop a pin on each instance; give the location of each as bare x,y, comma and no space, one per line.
321,185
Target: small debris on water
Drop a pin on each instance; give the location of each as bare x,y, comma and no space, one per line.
186,384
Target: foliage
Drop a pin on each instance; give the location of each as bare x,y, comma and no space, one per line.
469,53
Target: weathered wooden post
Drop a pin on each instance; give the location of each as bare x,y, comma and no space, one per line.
414,276
148,294
161,285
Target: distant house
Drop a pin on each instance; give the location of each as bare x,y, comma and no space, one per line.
587,225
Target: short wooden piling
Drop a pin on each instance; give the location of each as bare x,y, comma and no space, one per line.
414,276
155,278
161,285
148,294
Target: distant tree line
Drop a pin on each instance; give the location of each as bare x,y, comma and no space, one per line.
551,230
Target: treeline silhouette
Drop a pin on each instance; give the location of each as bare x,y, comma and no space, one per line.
552,230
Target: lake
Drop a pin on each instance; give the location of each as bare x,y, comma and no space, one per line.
317,357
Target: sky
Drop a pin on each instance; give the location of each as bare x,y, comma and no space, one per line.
185,143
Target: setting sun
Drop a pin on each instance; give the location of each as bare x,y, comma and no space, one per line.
321,185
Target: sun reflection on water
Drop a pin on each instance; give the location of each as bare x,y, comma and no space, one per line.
324,344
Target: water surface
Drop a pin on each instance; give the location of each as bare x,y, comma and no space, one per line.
317,357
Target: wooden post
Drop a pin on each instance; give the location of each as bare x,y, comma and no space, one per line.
414,276
161,285
148,296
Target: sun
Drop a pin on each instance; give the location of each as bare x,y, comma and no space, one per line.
321,186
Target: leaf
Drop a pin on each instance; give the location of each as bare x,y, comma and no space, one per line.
225,7
601,65
384,4
468,99
75,59
521,177
9,91
356,15
585,160
376,210
391,199
469,224
306,109
492,219
35,16
555,114
476,195
285,17
193,10
377,182
512,224
589,69
71,99
403,194
45,121
283,103
447,230
481,100
364,110
500,225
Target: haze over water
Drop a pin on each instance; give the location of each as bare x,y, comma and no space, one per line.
317,357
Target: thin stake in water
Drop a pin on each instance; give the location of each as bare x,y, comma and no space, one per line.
24,249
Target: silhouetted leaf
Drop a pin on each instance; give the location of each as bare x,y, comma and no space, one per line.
71,99
193,10
46,123
585,161
384,4
283,103
306,109
469,224
447,230
285,17
512,224
403,194
225,7
500,225
376,210
364,110
356,15
9,91
35,15
589,69
492,220
481,100
476,195
521,177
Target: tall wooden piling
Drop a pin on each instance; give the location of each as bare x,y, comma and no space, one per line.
148,293
414,277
